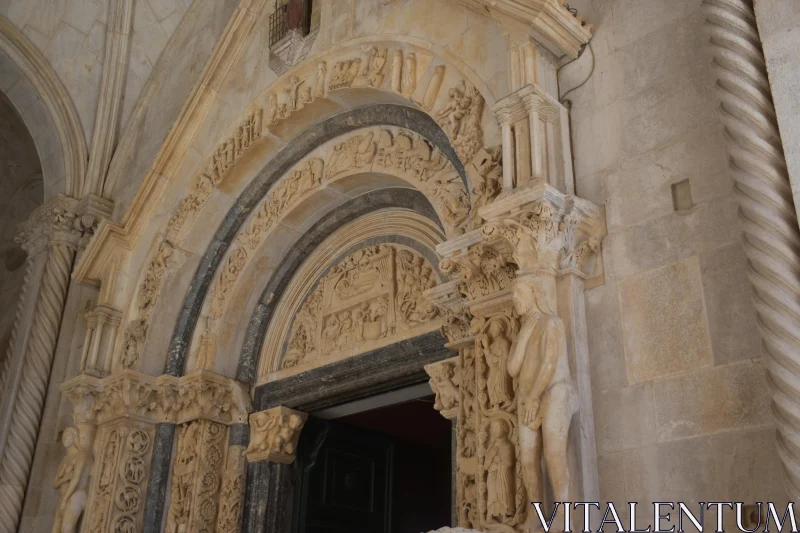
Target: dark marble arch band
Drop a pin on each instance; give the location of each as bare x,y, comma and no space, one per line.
373,115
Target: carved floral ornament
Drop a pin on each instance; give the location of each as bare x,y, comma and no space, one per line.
399,68
199,395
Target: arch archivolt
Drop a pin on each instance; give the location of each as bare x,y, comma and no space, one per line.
344,78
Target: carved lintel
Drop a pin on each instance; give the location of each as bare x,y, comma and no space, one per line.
199,395
274,434
445,382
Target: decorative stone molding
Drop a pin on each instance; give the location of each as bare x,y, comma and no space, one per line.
274,434
102,325
535,128
196,476
771,238
231,505
549,22
445,378
119,477
200,395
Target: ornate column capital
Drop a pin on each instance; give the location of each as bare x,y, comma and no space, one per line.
274,434
548,232
201,395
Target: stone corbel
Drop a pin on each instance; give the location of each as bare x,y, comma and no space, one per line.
201,395
445,379
274,434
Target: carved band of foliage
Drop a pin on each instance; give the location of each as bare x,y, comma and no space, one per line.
199,395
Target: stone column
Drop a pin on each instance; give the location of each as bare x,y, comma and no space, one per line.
234,478
771,239
520,284
54,227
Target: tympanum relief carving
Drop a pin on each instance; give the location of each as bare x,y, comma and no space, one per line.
371,298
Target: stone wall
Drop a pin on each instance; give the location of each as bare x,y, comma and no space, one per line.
680,397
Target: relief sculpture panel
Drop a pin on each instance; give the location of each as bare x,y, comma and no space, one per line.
371,298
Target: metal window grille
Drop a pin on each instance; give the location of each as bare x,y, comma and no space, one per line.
278,25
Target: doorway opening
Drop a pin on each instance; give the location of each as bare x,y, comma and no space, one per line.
379,465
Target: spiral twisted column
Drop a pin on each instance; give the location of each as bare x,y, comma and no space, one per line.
6,370
771,238
27,407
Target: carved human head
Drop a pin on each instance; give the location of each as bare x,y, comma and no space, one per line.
295,422
496,328
70,437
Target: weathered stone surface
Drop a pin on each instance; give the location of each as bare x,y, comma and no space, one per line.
664,322
711,400
624,418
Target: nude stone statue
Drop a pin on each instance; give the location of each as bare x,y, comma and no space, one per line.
545,396
72,482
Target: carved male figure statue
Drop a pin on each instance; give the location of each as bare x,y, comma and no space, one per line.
500,500
72,481
284,440
264,427
545,396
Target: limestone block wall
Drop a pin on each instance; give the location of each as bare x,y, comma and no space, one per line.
680,397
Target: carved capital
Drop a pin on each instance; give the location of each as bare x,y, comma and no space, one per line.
548,232
56,221
274,434
200,395
455,318
445,382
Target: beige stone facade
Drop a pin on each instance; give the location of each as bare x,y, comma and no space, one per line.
593,206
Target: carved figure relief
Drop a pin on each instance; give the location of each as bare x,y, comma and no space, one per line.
274,434
344,72
481,271
495,345
370,295
319,84
501,479
72,482
461,118
397,71
355,152
489,181
195,477
434,86
374,65
445,378
409,74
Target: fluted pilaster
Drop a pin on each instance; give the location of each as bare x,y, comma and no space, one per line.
771,238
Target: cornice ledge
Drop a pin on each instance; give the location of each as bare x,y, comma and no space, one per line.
201,395
550,22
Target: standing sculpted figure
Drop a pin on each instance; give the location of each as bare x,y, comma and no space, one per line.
545,396
72,482
500,498
496,348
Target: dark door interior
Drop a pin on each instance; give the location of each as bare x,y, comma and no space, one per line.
382,471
